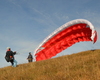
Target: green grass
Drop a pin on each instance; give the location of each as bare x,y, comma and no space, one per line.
78,66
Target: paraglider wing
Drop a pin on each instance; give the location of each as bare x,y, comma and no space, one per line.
65,36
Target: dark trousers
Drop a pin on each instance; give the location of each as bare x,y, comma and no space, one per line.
29,60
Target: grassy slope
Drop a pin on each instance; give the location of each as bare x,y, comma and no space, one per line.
80,66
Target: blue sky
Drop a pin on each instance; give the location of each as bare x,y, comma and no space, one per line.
24,24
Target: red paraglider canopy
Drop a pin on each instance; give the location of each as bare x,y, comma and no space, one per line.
70,33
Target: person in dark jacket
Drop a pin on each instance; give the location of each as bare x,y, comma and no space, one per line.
10,57
30,57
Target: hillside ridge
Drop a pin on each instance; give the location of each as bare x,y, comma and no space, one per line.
84,65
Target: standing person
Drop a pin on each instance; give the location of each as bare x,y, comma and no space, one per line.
10,57
30,57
